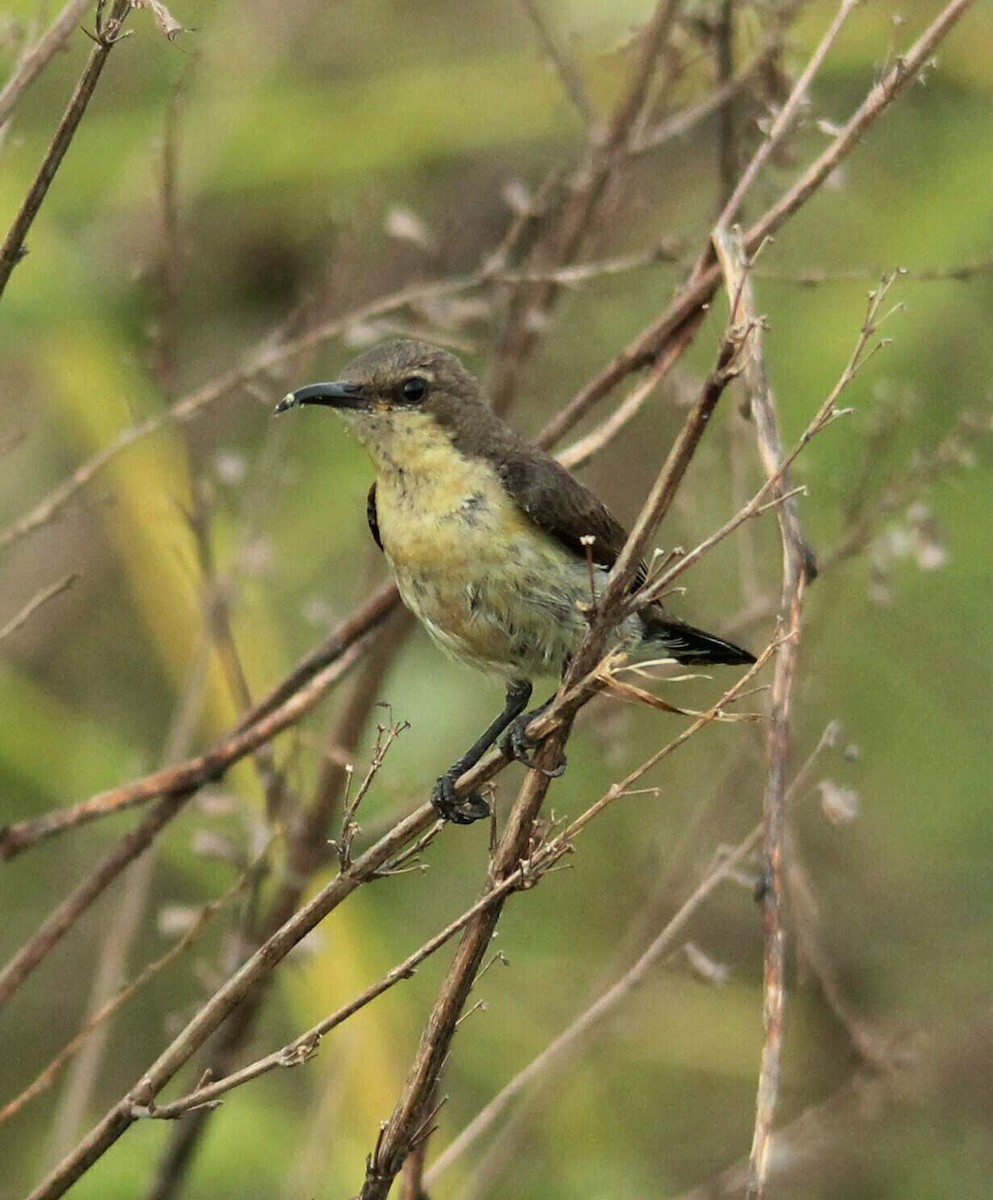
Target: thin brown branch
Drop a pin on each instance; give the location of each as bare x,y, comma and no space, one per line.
825,415
566,69
401,1132
797,571
587,1022
58,923
786,115
176,786
36,602
579,202
762,405
678,124
165,340
347,643
34,60
138,1099
963,273
47,1076
109,31
659,499
691,301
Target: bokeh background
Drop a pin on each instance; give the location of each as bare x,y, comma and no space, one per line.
321,157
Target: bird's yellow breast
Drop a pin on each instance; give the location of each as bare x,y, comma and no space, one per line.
489,585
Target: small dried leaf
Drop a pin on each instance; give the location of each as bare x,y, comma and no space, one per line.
407,226
926,538
214,845
167,23
631,692
839,804
517,197
176,919
704,967
230,467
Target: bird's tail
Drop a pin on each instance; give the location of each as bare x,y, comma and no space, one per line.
688,645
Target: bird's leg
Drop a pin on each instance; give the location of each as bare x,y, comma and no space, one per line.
516,743
463,810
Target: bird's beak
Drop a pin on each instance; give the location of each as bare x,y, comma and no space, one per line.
333,395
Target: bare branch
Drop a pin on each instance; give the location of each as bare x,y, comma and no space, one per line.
36,602
797,570
786,115
108,33
47,1076
119,1119
566,68
585,1024
689,306
185,778
33,61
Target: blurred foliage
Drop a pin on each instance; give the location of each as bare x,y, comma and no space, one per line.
299,128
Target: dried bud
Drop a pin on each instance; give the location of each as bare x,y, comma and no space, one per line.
839,804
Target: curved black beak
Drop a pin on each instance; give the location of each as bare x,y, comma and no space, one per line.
333,395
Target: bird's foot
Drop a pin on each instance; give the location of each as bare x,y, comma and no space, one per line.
460,810
519,746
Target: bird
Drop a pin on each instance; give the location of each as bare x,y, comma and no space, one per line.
491,541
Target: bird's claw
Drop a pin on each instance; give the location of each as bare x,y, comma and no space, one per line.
460,810
517,745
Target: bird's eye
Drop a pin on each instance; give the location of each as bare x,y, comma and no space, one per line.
414,389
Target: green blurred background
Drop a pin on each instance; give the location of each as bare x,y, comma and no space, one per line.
326,155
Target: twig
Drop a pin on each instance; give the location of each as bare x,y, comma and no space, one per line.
46,1077
797,570
963,273
57,924
165,342
786,115
690,303
400,1133
727,142
33,61
680,123
123,1114
580,200
659,499
215,602
108,34
825,415
596,1013
301,1048
565,67
36,602
386,735
348,643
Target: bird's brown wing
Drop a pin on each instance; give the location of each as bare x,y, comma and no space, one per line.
372,517
562,506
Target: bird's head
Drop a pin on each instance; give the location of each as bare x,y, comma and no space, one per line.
400,398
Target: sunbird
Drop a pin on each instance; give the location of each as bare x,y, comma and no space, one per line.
489,539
